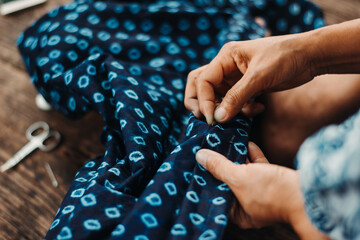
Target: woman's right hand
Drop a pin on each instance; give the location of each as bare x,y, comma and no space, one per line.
245,69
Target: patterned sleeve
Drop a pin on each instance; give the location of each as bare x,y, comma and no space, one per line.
329,164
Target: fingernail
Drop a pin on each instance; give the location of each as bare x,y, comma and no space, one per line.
209,120
201,158
251,144
220,114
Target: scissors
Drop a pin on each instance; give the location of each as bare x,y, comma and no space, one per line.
40,136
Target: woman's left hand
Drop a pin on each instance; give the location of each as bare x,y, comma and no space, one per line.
266,193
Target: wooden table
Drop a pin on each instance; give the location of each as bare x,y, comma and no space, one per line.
28,201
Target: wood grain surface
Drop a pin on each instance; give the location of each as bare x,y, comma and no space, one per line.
28,201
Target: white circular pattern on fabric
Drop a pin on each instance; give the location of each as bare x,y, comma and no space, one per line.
213,140
136,156
142,127
189,129
221,219
170,188
192,196
112,212
55,223
240,148
78,193
64,234
88,200
123,123
131,94
149,220
139,140
218,201
200,180
133,81
68,209
119,230
92,224
208,235
117,65
154,199
178,230
141,237
176,149
164,167
115,171
148,107
196,218
157,62
139,112
155,128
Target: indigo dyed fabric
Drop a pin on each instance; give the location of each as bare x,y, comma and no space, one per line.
329,164
129,62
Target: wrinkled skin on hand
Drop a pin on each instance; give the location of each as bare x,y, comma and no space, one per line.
242,70
266,194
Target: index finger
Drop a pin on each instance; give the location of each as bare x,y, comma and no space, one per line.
212,79
206,83
190,100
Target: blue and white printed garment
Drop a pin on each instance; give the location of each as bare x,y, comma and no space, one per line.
129,62
329,164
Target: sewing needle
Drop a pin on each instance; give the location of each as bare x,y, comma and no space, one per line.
51,175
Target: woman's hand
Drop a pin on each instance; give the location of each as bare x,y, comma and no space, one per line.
245,69
266,193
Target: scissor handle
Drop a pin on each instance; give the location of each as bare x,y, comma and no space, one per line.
37,126
40,132
49,145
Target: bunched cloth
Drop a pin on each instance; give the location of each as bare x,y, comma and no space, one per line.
129,62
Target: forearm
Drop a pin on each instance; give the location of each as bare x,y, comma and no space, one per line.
305,229
333,49
296,216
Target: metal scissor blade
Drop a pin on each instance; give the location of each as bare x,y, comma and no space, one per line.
20,155
6,166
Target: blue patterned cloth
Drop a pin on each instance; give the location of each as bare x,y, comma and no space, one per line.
329,164
129,62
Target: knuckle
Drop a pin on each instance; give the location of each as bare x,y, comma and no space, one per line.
198,82
232,97
213,164
192,74
230,48
229,45
225,49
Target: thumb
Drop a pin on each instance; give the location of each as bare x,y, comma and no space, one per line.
218,165
235,99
